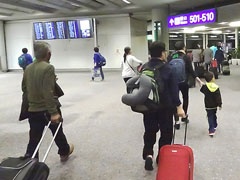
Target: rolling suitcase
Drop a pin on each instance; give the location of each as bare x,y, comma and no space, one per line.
22,168
176,161
225,68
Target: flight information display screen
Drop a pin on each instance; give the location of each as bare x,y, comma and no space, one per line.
61,28
73,29
50,30
39,31
85,28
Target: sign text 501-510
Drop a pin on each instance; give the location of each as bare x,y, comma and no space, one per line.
201,18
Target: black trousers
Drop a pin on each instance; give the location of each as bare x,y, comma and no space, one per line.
153,122
184,89
37,122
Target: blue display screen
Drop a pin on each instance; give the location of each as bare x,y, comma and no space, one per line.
50,30
61,28
39,31
73,29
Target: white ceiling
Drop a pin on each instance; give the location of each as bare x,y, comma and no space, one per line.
141,9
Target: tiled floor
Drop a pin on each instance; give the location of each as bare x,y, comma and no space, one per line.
108,135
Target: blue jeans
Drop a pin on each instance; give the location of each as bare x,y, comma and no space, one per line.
212,119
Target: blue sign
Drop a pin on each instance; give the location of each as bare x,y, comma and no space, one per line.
194,18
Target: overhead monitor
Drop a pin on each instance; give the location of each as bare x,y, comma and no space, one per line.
73,29
39,31
61,28
194,18
50,30
86,28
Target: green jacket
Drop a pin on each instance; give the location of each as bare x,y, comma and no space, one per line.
38,83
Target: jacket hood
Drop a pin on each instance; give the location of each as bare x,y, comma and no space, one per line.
212,86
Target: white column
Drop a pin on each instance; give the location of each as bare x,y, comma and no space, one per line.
95,33
236,38
3,57
162,33
204,41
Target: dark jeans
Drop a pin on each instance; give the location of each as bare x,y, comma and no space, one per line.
153,122
184,89
101,72
212,119
219,64
195,64
37,122
125,80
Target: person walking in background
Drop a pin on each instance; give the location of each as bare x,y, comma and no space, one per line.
25,59
129,64
161,119
219,56
212,100
39,84
196,53
183,86
97,63
208,56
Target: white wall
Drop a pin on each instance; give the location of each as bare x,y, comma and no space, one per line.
113,36
139,43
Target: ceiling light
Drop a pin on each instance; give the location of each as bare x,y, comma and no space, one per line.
126,1
216,32
234,24
223,23
213,36
186,30
200,28
195,36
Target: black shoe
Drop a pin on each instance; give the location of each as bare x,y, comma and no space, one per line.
149,163
186,120
92,78
177,126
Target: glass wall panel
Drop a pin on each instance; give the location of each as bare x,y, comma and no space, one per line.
193,40
173,38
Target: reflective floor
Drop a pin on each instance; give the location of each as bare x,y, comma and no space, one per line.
108,136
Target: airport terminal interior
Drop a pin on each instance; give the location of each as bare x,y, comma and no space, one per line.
107,134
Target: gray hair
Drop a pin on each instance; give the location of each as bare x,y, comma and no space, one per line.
41,49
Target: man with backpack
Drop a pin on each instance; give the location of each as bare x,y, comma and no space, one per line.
183,70
161,119
25,59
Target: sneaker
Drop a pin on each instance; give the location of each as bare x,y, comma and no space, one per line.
149,163
177,125
212,133
92,78
64,158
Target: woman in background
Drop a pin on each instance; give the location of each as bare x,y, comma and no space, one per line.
129,64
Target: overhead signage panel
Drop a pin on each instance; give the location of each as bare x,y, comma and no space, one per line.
199,17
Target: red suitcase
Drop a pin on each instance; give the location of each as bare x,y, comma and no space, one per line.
176,161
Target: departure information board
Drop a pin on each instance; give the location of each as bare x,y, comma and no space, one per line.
39,31
50,30
61,28
194,18
73,29
85,28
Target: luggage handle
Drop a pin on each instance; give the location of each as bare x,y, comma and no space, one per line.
185,133
50,145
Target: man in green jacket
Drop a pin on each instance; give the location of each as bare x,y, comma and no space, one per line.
38,83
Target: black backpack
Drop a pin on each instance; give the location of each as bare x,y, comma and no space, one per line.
145,90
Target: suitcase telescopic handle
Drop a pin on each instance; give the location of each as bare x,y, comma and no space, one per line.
185,133
43,135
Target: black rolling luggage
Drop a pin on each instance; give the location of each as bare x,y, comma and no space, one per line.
215,72
22,168
225,68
